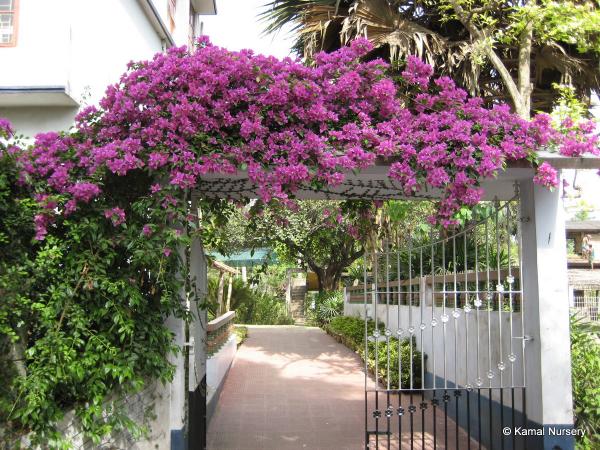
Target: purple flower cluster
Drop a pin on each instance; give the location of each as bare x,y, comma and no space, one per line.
546,175
185,114
5,128
116,215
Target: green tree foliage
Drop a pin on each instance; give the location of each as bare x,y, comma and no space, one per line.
508,49
322,307
323,235
261,304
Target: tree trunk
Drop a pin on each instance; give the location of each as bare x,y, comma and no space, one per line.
524,75
520,91
329,279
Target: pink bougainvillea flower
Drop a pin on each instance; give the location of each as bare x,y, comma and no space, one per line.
546,175
116,215
6,130
183,115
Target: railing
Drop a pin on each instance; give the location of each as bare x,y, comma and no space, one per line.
587,307
440,287
218,332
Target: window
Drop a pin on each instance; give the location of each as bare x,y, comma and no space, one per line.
8,23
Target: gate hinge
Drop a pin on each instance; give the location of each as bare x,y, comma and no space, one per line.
526,338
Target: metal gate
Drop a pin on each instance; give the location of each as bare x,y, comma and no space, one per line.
445,357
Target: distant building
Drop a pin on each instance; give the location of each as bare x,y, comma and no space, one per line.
576,236
57,56
584,283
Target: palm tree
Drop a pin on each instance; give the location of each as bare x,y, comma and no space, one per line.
499,50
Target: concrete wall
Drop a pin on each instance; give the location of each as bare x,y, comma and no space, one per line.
461,358
148,407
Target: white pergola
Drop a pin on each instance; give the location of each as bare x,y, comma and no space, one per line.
545,283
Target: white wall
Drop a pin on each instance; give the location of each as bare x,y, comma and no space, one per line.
81,45
41,54
105,36
146,407
461,360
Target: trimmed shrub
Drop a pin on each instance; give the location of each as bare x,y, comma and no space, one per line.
351,332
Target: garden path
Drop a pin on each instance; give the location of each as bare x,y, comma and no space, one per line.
292,387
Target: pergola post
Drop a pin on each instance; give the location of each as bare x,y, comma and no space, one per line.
220,292
229,292
546,310
177,392
197,357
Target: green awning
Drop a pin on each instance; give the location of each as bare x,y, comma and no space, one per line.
247,258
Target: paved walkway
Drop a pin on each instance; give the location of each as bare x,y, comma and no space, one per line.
290,388
297,388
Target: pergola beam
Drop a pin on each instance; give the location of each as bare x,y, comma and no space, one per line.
370,183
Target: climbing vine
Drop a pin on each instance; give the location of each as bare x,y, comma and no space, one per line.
83,312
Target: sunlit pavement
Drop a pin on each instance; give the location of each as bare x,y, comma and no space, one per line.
295,387
290,388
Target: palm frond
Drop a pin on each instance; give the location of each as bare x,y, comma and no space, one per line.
308,19
383,25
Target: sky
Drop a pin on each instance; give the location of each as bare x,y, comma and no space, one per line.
236,26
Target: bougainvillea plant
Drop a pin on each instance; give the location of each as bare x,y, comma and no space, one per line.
113,196
182,115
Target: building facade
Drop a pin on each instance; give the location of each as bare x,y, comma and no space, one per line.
59,56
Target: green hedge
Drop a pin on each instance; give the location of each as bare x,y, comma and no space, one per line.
351,332
585,363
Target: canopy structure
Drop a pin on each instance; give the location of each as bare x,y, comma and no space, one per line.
247,258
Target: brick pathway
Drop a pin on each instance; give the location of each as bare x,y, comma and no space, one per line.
292,388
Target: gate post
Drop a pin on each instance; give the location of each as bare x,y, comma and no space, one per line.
197,362
177,386
545,303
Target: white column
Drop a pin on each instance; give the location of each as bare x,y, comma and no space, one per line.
198,275
345,301
197,361
546,311
288,292
221,293
177,387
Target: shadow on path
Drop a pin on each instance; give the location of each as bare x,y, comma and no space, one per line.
294,388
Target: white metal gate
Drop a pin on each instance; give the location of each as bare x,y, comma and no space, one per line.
444,337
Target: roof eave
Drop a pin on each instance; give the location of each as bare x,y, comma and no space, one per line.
156,21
